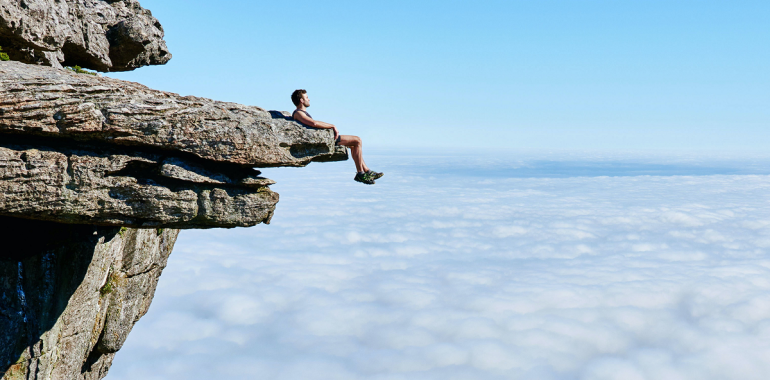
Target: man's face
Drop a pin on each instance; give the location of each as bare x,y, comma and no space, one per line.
305,100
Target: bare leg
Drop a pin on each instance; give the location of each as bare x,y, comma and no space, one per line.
356,150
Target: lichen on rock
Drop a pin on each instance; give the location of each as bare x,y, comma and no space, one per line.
66,311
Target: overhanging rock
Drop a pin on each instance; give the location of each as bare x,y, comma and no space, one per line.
82,149
132,190
93,170
49,102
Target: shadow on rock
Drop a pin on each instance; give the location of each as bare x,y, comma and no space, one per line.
41,265
280,115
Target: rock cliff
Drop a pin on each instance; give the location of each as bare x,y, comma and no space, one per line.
70,294
104,35
98,175
78,148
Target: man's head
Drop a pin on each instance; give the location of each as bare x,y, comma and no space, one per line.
300,97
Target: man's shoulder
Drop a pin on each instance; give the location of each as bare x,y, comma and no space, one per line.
303,111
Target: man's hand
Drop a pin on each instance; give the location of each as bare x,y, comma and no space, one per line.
304,119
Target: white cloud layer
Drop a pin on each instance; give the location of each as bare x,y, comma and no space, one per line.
475,273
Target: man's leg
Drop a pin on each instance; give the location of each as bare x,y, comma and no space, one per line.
355,145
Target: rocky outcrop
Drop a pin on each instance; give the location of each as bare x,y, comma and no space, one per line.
98,175
135,190
47,102
103,35
70,294
78,148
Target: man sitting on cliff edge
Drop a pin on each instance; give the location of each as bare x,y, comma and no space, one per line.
363,173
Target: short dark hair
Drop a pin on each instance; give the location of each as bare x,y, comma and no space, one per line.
296,96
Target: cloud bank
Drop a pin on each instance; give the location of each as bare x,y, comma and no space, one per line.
462,271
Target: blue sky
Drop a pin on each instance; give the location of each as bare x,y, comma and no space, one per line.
617,75
571,219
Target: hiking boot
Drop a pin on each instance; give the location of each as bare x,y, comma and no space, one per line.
375,175
364,178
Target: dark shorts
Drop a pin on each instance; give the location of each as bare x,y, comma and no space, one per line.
337,142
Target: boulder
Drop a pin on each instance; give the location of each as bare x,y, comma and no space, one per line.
103,35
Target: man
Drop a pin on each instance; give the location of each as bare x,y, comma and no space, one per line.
363,173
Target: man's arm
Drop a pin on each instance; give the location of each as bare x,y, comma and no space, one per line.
304,119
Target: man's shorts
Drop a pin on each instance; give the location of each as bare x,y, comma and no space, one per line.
337,142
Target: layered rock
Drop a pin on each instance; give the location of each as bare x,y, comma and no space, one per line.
103,156
70,295
78,148
49,102
104,35
135,190
97,175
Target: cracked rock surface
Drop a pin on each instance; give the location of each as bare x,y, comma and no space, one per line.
103,35
135,190
44,101
97,176
66,311
77,148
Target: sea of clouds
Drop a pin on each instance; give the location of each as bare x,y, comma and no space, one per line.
560,266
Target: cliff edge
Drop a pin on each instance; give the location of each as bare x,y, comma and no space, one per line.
98,175
78,148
